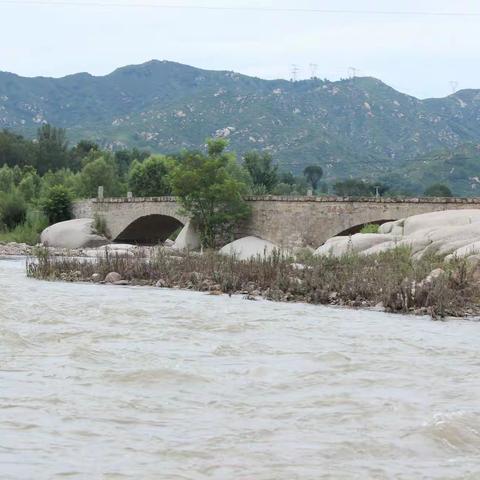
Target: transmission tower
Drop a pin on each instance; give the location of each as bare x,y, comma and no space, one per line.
295,69
313,70
353,71
453,85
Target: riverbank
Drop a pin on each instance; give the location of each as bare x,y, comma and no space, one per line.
14,249
22,249
389,281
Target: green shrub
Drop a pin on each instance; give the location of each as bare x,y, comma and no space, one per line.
370,228
100,225
438,190
29,231
57,204
13,210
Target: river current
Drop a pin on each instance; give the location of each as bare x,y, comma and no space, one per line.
105,382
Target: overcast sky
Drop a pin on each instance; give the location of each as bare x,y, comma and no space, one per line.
416,54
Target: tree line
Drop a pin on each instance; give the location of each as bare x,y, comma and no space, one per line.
40,178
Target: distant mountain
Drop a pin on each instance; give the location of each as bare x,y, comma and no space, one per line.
458,168
358,126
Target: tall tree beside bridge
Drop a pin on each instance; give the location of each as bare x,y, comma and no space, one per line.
313,174
209,191
263,171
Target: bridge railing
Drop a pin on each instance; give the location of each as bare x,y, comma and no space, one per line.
309,199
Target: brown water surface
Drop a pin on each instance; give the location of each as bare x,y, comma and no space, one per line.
103,382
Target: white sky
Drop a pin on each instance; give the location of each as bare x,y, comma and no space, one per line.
416,54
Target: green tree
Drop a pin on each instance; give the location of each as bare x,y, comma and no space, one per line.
99,172
262,170
81,150
13,210
208,192
438,190
313,174
287,178
64,177
57,205
150,177
15,150
7,180
358,188
124,159
51,149
29,186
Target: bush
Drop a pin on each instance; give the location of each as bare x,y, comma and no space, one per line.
100,225
57,205
370,228
438,190
29,231
13,210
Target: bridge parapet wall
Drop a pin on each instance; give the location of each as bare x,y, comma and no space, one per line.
287,221
303,199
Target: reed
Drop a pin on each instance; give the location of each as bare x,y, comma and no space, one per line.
391,278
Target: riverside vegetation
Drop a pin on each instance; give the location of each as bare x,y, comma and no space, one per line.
40,179
391,280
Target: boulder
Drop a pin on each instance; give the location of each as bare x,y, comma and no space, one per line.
71,234
473,261
96,277
440,220
338,246
113,277
121,249
450,233
394,228
248,247
188,238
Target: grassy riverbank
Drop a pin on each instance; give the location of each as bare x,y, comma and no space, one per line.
391,279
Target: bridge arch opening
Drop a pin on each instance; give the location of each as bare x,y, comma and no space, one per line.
359,227
149,230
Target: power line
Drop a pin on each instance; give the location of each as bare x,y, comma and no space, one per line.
65,3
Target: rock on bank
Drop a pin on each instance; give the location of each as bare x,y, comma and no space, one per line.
451,232
71,234
249,247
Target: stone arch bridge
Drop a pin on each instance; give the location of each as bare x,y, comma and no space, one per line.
286,221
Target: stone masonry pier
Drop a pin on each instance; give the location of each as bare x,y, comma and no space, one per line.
286,221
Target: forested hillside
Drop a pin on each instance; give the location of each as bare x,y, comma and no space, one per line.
356,127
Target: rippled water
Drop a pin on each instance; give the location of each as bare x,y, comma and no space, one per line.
100,382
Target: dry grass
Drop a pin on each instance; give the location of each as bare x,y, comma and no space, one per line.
391,278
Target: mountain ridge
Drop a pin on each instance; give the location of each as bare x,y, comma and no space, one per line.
353,127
